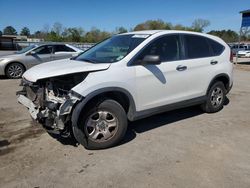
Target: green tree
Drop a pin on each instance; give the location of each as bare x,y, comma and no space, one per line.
181,27
75,34
200,24
121,30
52,36
57,28
25,31
1,33
96,35
152,25
226,35
9,30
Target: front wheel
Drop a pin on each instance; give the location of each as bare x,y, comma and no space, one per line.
103,125
215,98
14,70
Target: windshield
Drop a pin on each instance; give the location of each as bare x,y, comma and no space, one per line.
113,49
26,49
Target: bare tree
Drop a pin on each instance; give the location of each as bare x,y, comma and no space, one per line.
57,28
200,24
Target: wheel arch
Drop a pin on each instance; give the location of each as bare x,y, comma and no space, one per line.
11,62
122,96
224,78
95,96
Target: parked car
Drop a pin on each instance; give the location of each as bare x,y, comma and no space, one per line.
127,77
244,53
242,47
13,66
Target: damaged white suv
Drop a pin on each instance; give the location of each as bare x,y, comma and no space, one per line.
127,77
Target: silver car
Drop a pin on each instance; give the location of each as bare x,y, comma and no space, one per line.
13,66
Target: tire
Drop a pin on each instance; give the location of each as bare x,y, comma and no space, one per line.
215,98
101,126
14,70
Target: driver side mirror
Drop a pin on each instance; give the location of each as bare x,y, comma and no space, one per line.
32,53
151,60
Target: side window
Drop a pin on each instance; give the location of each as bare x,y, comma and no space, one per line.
216,47
63,48
167,47
196,47
43,50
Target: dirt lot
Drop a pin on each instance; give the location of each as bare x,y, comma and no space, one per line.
183,148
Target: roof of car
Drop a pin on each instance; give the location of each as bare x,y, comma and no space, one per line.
145,32
152,32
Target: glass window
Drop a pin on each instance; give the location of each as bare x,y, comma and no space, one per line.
63,48
216,47
26,49
113,49
43,50
196,46
167,47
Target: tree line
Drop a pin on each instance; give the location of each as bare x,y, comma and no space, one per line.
59,33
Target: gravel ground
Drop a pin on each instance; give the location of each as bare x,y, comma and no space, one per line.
182,148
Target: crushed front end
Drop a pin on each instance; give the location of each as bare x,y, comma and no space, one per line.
50,101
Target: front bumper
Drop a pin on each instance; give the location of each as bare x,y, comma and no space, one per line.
29,104
52,114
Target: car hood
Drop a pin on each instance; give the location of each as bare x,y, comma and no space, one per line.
61,67
11,56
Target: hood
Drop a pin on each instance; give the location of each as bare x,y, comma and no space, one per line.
61,67
11,56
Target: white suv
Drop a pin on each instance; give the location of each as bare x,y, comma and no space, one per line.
127,77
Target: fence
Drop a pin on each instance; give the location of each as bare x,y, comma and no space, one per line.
83,46
18,45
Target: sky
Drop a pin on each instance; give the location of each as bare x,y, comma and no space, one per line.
109,14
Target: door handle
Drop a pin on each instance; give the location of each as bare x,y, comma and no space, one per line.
213,62
181,68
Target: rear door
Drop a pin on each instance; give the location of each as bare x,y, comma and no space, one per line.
201,59
62,52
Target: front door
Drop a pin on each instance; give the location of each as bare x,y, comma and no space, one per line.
39,55
166,83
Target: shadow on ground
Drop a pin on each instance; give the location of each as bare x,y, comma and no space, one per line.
147,124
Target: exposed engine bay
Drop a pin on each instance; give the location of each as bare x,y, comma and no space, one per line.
51,100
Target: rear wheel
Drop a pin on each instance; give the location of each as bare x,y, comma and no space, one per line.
14,70
103,124
215,98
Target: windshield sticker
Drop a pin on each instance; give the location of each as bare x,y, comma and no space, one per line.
119,58
140,36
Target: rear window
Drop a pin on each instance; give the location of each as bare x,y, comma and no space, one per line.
217,48
63,48
196,47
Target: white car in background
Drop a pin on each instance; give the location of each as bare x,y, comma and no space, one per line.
244,53
13,66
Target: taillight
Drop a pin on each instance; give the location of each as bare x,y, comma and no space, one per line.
231,56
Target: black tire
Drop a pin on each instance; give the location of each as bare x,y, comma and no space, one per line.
14,70
82,131
210,105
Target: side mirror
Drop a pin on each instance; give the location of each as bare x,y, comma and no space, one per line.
151,60
32,53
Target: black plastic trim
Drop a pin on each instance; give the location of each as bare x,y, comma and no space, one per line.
169,107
